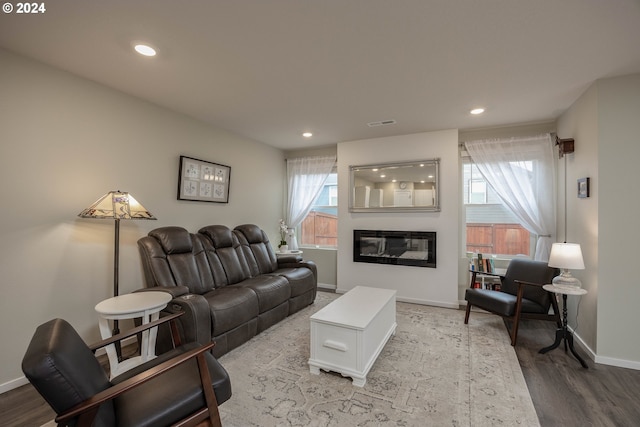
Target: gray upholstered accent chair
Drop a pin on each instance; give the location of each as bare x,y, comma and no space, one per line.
183,386
520,295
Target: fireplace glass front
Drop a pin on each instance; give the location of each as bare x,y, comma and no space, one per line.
413,248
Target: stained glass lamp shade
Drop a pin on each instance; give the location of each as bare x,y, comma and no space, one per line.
116,205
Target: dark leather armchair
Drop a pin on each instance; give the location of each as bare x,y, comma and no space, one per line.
520,295
182,386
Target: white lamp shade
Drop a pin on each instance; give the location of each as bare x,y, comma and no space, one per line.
566,255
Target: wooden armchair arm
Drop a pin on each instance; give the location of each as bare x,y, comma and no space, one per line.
486,274
87,410
523,282
119,337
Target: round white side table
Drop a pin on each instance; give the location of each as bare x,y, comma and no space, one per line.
145,305
296,252
563,333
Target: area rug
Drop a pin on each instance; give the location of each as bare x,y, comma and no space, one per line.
435,371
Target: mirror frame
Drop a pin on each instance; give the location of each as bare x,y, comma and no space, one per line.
436,186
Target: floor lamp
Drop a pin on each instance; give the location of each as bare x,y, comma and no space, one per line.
116,205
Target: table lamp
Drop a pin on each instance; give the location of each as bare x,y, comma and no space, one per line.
566,256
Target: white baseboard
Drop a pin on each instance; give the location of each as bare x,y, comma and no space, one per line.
10,385
620,363
326,286
610,361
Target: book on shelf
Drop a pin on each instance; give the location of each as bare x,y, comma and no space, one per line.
482,264
489,266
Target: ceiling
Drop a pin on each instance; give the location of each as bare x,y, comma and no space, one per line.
272,69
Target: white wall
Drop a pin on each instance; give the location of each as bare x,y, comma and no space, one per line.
66,141
435,286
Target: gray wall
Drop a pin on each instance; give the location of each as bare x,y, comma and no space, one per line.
66,141
604,122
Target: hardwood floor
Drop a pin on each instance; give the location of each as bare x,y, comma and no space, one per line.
563,393
566,394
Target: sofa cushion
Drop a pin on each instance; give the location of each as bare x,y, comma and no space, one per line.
271,290
257,249
230,307
171,256
301,280
174,240
225,256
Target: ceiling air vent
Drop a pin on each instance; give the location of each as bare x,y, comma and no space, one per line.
381,123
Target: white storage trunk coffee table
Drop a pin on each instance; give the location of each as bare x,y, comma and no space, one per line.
348,335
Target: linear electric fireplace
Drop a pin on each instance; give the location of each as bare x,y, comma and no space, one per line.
414,248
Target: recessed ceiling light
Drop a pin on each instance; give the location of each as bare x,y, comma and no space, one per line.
307,134
477,111
144,49
383,176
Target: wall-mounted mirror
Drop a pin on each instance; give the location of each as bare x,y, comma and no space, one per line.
394,187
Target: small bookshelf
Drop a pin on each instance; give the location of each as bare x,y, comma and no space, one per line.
484,274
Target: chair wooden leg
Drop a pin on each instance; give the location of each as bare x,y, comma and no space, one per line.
516,317
466,315
514,332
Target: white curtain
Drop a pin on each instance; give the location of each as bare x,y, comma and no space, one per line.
306,177
522,172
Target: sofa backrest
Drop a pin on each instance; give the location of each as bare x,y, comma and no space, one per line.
226,259
257,249
171,256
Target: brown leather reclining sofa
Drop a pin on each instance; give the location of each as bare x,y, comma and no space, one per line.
229,283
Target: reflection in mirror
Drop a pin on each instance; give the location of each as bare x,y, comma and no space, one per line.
406,186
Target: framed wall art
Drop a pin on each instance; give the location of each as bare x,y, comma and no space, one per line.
583,188
202,181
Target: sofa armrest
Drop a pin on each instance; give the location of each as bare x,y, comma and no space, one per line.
195,324
288,258
287,262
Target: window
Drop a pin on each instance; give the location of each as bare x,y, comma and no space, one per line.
490,226
320,226
477,191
